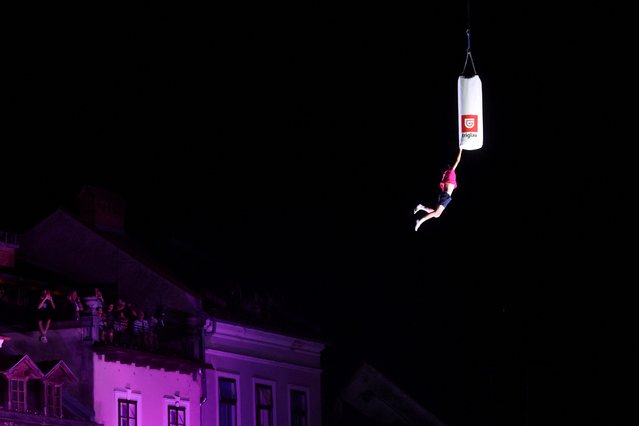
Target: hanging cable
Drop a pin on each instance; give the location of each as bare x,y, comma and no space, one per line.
468,54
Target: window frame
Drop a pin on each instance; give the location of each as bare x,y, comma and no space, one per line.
129,395
52,403
176,402
238,405
231,403
128,402
178,409
272,385
306,392
15,403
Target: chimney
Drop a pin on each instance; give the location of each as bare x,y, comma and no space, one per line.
101,208
8,246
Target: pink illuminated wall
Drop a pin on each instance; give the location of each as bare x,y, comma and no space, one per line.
153,391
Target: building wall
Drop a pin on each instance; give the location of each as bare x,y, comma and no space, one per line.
62,243
247,372
250,356
237,338
153,389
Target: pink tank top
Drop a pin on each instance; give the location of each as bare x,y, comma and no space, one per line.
449,177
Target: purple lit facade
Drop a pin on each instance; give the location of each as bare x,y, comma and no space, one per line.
207,370
260,373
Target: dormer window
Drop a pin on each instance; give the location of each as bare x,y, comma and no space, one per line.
53,400
25,388
52,384
15,381
18,395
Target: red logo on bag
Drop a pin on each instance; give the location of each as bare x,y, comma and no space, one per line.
469,123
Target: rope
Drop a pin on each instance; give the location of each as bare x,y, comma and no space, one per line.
468,54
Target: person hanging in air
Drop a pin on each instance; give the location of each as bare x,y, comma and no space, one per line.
447,185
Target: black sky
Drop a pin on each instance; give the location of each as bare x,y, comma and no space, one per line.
293,141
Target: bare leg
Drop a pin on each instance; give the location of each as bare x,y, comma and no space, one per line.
44,329
422,207
430,215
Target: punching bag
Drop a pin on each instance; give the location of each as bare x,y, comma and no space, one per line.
469,107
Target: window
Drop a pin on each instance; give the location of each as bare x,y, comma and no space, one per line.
177,416
127,412
264,405
228,402
128,407
299,410
52,400
177,410
18,396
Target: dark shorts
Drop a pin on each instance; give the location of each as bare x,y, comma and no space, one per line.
444,198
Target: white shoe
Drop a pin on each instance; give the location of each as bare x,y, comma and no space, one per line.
418,208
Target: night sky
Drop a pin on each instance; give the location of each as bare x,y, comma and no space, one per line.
291,142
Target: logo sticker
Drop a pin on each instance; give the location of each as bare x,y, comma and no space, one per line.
469,123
